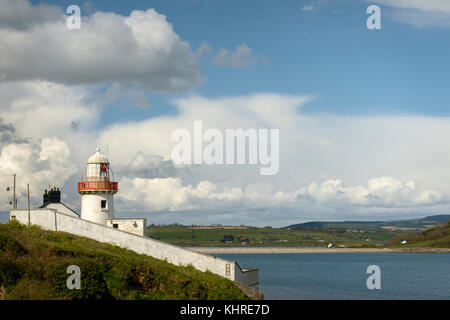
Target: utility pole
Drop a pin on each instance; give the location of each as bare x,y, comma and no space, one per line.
14,193
29,218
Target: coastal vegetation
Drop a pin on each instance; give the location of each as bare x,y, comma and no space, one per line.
311,234
436,237
218,236
34,262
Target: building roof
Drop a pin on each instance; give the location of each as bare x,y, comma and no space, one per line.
97,157
45,205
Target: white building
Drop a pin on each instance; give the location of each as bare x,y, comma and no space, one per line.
97,197
97,221
52,200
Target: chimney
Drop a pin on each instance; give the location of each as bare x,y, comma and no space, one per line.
45,197
52,196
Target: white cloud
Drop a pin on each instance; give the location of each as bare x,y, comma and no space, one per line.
120,94
243,56
404,152
21,15
419,13
8,134
141,49
308,8
148,166
42,163
429,5
43,109
204,48
380,192
171,195
343,155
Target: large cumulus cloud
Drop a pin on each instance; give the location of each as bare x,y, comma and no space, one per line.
330,166
39,163
379,192
141,49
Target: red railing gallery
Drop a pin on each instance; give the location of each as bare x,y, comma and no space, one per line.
97,186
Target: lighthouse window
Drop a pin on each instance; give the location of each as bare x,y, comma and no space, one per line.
103,170
103,204
92,170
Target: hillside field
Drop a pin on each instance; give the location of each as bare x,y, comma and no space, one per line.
437,237
252,236
33,265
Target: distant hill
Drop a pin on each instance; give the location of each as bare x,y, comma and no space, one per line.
33,265
374,225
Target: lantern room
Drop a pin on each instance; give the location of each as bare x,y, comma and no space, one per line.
97,167
97,173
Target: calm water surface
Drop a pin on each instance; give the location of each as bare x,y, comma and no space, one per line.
343,275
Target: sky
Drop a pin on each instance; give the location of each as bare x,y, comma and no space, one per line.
363,114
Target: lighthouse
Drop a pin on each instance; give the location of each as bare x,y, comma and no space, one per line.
97,191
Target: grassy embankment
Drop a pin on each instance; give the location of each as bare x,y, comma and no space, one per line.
269,237
33,265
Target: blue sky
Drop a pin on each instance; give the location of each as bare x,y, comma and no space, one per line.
327,53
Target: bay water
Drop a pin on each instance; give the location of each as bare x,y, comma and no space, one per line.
327,276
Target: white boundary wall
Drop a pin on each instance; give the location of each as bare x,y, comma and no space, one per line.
132,225
50,219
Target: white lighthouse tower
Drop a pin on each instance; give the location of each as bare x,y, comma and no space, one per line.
97,202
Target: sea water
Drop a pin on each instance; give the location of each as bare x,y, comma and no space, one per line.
344,275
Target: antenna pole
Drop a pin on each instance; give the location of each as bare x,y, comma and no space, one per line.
14,193
29,218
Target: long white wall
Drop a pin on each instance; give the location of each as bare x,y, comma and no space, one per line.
51,220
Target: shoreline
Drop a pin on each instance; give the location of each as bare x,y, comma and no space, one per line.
266,250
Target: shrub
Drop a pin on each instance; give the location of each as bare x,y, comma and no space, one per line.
10,272
15,224
93,285
9,244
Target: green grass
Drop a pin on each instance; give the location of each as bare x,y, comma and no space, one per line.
437,237
33,265
186,236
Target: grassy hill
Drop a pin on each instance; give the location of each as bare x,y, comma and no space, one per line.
437,237
315,234
33,265
263,237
